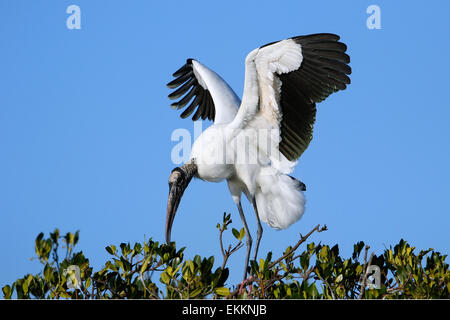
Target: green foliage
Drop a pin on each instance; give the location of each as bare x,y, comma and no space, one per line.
128,273
151,270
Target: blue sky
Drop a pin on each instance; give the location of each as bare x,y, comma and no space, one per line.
85,124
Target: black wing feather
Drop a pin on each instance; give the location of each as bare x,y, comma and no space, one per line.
323,71
188,111
188,85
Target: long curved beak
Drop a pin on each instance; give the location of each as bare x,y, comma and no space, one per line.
178,181
175,194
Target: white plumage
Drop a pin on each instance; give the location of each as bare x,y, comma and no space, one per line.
255,143
279,200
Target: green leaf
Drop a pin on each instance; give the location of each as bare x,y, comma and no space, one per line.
126,264
357,249
197,260
177,268
235,233
268,258
241,234
38,244
25,287
165,278
145,264
125,247
254,266
111,250
359,269
191,266
304,261
55,235
48,273
118,264
7,292
222,291
195,292
137,248
261,265
111,266
169,271
76,237
88,283
71,238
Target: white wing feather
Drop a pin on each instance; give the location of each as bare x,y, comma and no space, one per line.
260,109
226,101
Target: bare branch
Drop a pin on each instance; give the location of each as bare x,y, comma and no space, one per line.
253,278
302,239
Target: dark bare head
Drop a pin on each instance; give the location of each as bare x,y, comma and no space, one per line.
178,181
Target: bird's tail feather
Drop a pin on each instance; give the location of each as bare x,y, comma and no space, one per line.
279,198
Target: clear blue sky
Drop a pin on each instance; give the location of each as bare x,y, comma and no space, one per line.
85,124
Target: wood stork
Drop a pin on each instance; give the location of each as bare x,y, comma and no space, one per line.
272,124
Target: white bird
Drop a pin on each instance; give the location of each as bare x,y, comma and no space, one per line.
255,143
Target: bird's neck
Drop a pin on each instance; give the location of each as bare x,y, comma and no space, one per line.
190,169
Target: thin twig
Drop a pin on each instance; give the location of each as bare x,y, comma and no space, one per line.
303,239
327,284
227,253
145,287
221,247
306,275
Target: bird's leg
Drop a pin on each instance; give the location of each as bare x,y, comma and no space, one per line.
248,238
260,229
258,239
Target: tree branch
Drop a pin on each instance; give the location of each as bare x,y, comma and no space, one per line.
253,278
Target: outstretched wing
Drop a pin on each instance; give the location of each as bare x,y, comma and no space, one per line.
209,95
285,80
